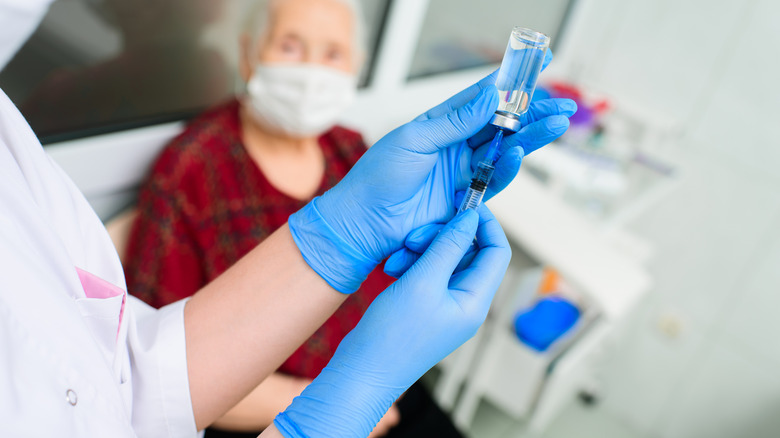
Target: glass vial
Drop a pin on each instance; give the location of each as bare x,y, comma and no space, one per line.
517,77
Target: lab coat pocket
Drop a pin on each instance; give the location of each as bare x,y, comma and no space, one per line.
102,310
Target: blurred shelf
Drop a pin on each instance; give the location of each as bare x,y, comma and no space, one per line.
556,234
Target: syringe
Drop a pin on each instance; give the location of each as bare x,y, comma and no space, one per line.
516,83
482,175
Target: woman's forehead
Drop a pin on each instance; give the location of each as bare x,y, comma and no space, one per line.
325,20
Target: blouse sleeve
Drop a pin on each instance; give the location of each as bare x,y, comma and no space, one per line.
162,261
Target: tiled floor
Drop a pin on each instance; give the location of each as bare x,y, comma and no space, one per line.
576,420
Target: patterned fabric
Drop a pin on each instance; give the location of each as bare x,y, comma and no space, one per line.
206,204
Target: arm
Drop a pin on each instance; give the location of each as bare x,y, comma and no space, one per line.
241,327
271,432
257,410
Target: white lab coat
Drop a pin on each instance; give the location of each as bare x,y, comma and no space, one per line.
68,367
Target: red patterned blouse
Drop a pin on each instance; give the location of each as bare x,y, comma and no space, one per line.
206,204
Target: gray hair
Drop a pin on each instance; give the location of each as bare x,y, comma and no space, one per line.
258,22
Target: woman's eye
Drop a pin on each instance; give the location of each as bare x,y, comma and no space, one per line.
335,55
290,47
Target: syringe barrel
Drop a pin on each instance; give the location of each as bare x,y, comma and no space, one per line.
478,186
517,76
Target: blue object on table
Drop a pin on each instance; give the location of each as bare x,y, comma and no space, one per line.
541,325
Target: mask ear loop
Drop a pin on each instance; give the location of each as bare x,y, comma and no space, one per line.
240,87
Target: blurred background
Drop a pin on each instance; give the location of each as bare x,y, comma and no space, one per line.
653,222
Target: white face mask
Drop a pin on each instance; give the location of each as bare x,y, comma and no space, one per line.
301,100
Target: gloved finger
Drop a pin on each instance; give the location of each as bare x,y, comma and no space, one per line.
548,57
548,107
529,138
538,134
506,169
473,248
489,232
468,258
400,261
483,276
429,136
415,244
419,240
537,111
446,250
479,154
459,99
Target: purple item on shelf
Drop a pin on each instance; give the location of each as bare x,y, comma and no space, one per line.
584,115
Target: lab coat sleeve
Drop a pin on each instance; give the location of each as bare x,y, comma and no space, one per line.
158,359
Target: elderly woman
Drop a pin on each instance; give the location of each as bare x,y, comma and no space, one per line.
238,171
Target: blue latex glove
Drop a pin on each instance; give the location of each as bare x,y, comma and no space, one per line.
408,328
531,137
415,245
409,179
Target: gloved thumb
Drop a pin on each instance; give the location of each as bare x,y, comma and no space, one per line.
447,249
454,126
415,244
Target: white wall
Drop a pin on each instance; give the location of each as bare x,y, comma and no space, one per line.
714,66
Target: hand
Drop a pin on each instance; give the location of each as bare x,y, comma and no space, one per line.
409,179
408,328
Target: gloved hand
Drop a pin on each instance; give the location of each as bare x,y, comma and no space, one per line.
531,137
415,245
408,328
409,179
